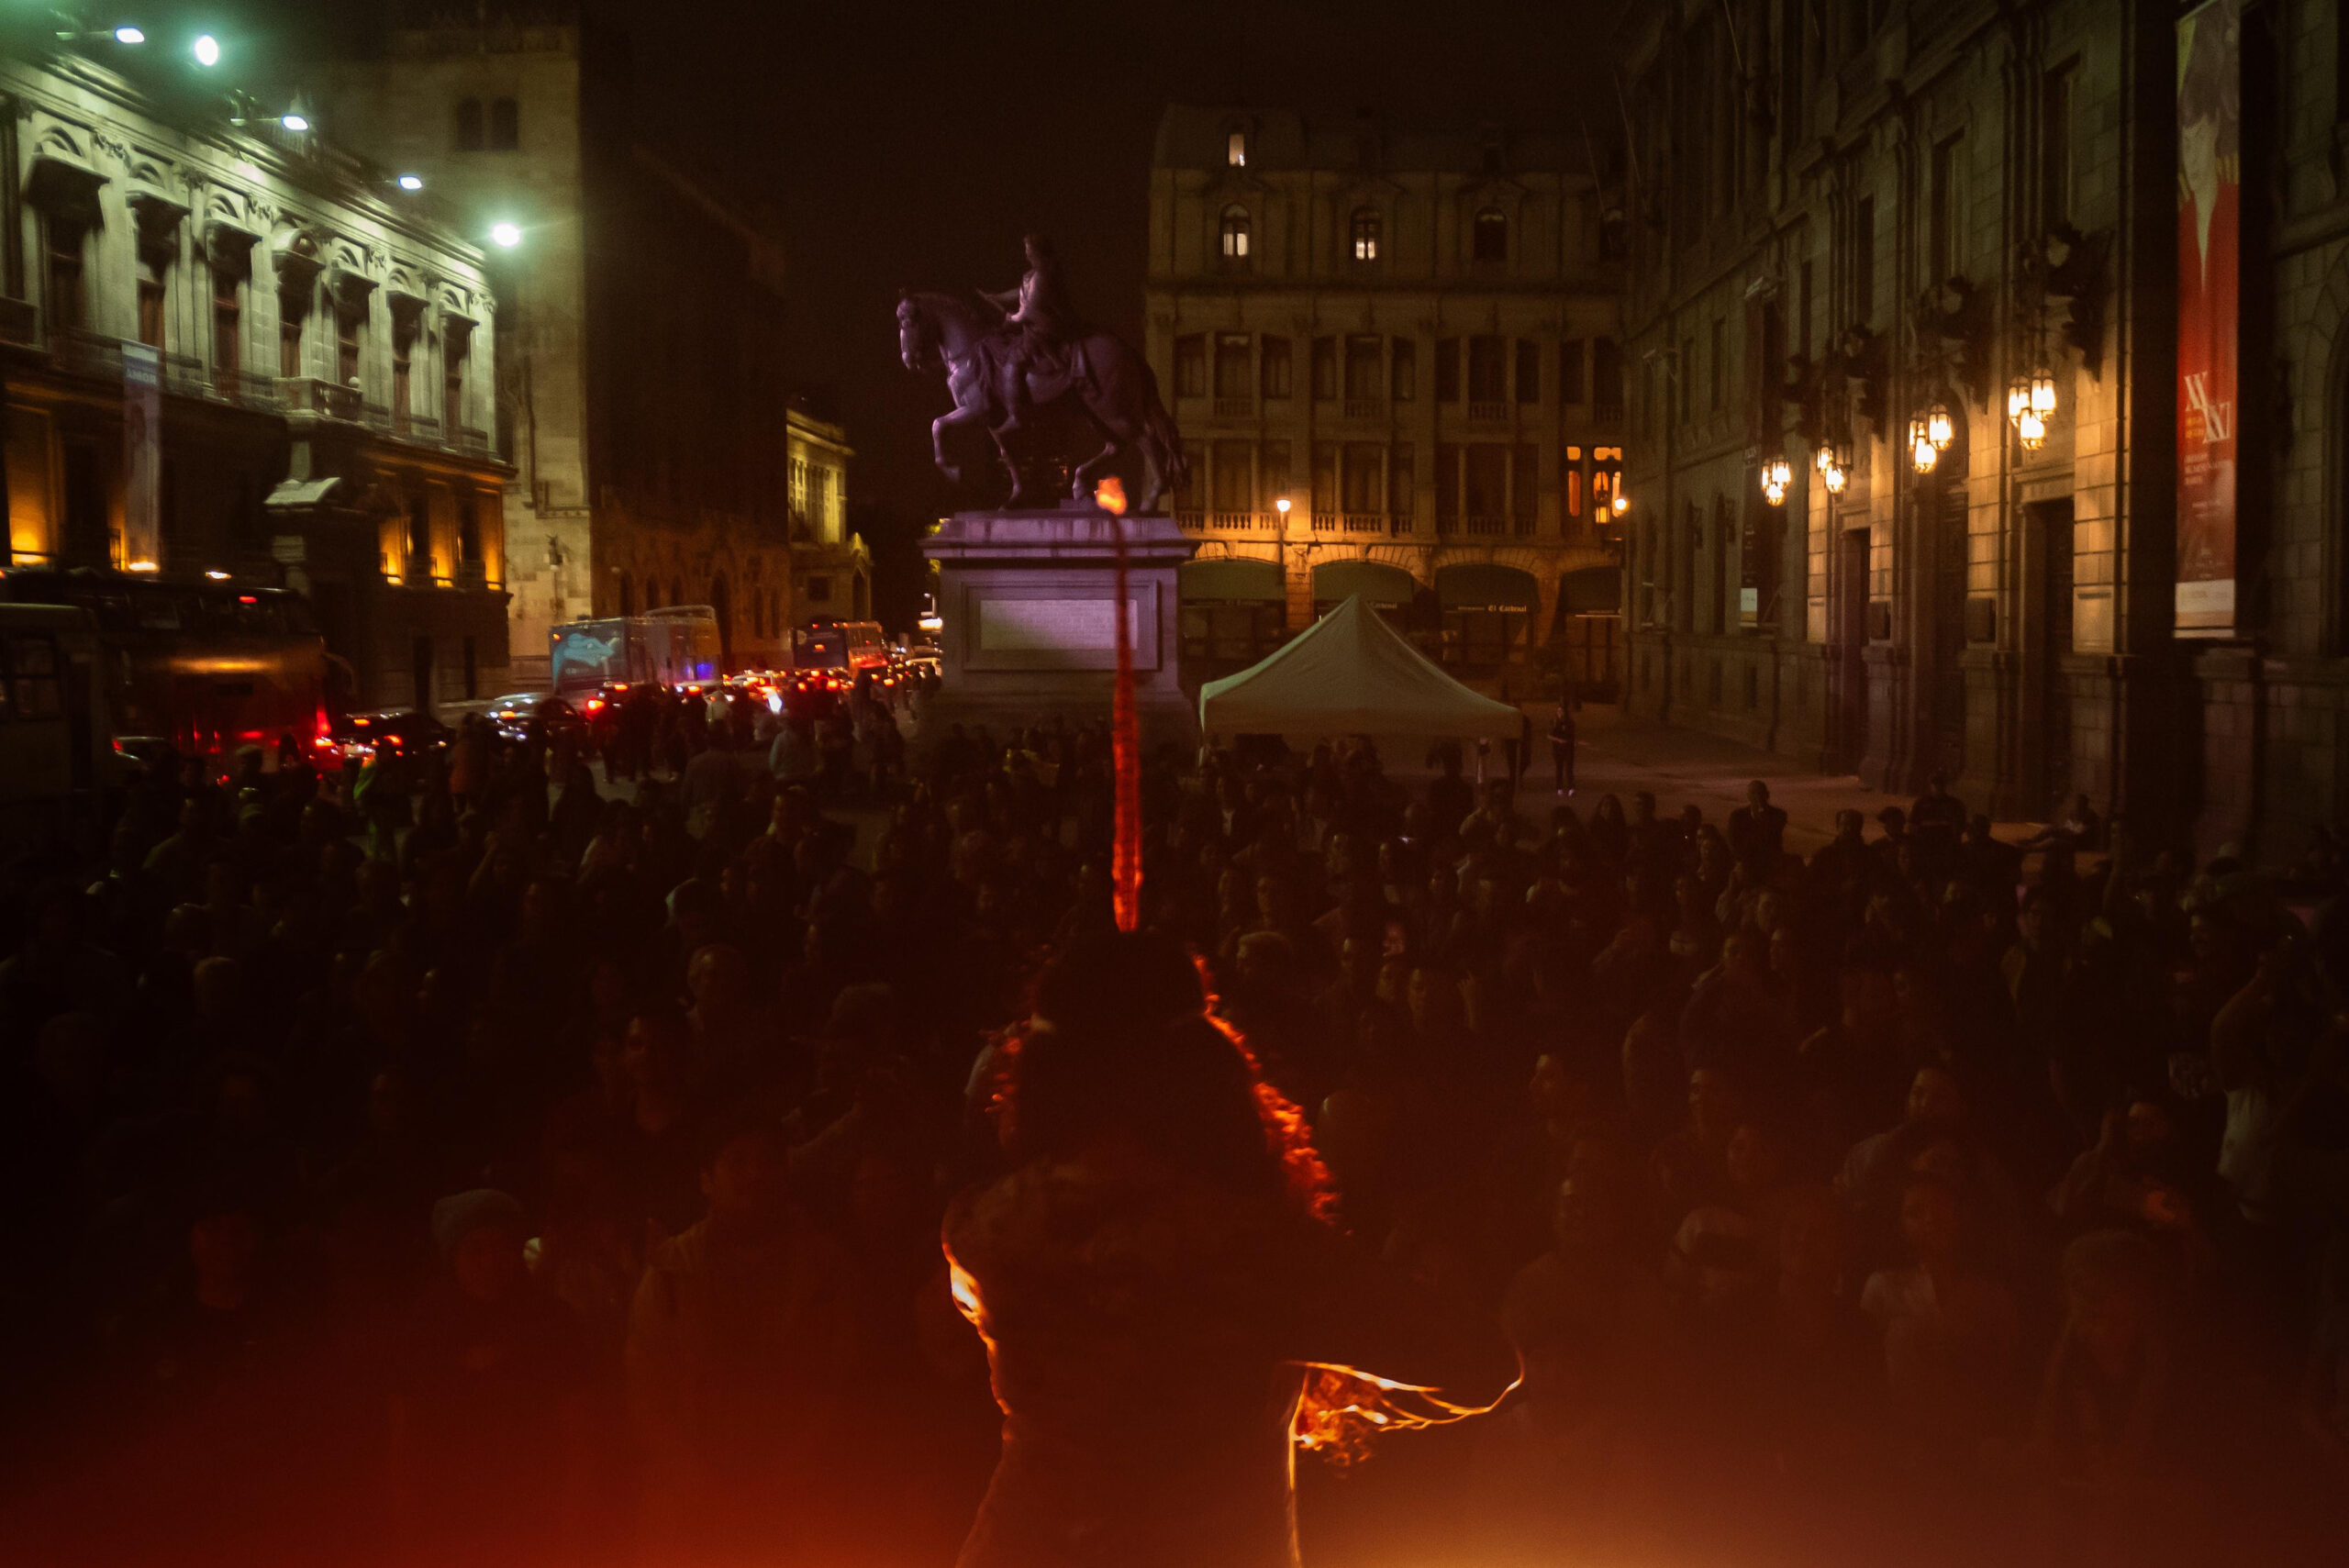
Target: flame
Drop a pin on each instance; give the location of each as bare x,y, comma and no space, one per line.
1110,495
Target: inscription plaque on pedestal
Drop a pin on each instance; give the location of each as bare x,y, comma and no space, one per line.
1030,601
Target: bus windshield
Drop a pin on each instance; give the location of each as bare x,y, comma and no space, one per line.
819,648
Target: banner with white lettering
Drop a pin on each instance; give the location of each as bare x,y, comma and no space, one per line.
2210,184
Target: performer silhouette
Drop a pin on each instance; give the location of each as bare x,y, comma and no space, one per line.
1166,1304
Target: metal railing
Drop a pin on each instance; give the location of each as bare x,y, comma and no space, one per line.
1234,408
309,394
1488,412
1222,519
1362,522
1365,408
1486,528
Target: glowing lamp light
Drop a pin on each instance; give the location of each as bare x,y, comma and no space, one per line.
506,236
2042,392
294,122
411,182
1921,450
1938,428
1110,495
216,575
1832,472
206,50
1775,475
2018,399
1823,459
128,35
142,566
1281,506
2031,430
1621,504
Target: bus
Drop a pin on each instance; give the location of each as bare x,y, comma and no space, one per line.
204,667
673,647
845,647
57,759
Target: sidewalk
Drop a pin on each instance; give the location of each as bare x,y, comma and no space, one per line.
1620,756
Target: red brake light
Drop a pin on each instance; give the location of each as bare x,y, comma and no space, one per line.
595,702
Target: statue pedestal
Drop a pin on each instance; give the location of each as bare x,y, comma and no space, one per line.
1030,601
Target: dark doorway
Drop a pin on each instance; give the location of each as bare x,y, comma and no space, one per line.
420,671
1942,515
1849,739
87,539
2051,523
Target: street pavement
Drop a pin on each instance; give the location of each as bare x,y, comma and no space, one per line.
1621,755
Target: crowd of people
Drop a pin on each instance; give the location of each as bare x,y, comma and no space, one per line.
481,1156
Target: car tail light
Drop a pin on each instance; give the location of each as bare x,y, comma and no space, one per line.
593,704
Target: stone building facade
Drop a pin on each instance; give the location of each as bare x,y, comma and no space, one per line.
643,402
1853,213
1411,336
831,570
237,351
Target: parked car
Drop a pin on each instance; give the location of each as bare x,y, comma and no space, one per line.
409,734
523,715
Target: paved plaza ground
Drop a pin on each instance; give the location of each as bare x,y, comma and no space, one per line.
1621,755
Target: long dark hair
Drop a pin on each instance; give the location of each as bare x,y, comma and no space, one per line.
1125,1044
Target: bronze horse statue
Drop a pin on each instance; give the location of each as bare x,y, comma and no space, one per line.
977,345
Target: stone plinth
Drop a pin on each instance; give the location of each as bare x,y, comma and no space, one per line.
1029,598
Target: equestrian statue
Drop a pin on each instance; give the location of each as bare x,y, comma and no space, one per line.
1006,355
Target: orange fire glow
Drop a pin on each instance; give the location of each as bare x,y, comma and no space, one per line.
1110,495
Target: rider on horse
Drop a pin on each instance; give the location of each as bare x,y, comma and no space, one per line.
1041,330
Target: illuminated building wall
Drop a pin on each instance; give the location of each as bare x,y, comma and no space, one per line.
229,350
1412,335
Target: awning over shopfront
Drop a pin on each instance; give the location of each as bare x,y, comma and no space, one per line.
1486,585
1378,583
1594,590
1231,579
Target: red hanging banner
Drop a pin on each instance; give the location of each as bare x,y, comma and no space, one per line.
2209,189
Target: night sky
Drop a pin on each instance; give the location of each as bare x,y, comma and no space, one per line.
912,145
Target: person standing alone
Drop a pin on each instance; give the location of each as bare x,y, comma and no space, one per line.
1562,749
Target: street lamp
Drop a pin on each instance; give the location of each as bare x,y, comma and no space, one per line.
1921,450
411,182
1280,505
294,122
506,235
128,35
1775,476
1621,504
206,50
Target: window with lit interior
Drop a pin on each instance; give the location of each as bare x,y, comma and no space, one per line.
1235,234
1367,234
1235,149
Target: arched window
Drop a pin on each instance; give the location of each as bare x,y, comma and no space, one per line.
1367,234
1491,236
1235,235
505,125
469,134
1235,149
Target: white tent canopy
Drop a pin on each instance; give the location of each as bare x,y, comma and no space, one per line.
1351,673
